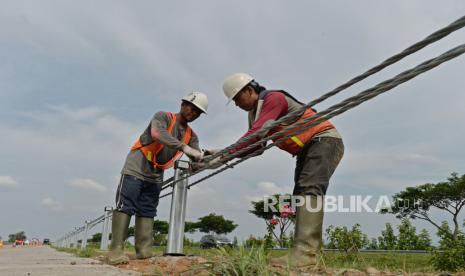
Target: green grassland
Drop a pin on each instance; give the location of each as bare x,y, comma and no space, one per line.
256,257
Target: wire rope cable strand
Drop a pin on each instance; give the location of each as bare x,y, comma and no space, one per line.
454,26
338,109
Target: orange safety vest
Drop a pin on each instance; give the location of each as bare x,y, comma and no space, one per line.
294,144
151,150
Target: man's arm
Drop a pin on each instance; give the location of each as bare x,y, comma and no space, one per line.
159,132
274,107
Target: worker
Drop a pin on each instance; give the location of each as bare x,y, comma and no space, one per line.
166,138
318,151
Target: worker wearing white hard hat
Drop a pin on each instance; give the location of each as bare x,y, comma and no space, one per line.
318,151
167,137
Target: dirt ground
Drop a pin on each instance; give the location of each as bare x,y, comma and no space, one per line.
184,266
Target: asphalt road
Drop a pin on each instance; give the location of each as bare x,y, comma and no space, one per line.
43,260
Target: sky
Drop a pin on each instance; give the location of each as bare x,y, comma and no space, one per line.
80,80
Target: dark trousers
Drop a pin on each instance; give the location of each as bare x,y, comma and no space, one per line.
316,164
137,197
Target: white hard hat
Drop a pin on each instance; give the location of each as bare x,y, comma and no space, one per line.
234,83
198,99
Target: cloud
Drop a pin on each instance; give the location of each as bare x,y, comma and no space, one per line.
266,188
106,73
78,114
270,188
51,203
87,184
8,182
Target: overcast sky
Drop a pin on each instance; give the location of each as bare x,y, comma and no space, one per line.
79,81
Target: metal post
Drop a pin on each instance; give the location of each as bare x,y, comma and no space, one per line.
104,231
109,221
71,240
84,237
178,211
67,240
76,237
106,228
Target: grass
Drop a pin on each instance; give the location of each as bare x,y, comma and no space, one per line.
393,262
241,261
83,253
253,261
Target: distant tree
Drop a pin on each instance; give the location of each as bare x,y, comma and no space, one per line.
417,202
17,236
235,242
191,227
161,228
253,241
278,219
347,241
373,245
160,231
189,242
387,240
131,232
216,224
451,253
407,238
97,237
424,241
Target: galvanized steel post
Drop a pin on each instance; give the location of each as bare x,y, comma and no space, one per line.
178,210
106,228
84,236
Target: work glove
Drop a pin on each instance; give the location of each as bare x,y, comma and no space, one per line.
192,153
208,152
215,163
195,166
212,164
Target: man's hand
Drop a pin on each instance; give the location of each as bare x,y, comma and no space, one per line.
211,165
215,163
195,166
192,153
208,152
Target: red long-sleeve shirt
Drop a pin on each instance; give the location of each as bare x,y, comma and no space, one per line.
274,107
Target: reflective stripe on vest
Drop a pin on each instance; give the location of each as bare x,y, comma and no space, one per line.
297,141
295,144
151,150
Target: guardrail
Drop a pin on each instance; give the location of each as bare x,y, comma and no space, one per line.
176,225
70,239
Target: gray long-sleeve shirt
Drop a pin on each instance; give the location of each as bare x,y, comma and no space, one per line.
137,165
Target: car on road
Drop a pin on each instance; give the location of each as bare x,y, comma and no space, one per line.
46,241
210,241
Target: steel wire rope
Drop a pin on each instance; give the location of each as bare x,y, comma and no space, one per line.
341,107
412,49
454,26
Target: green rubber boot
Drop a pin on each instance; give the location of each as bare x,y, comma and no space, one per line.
307,238
144,237
119,233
